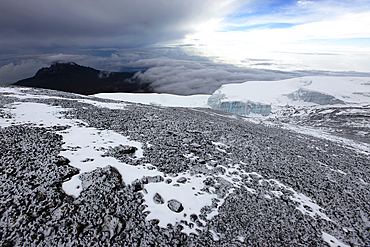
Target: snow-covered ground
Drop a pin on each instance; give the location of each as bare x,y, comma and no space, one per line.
221,164
85,147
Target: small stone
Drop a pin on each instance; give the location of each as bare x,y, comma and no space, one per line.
193,217
137,185
202,162
182,180
157,198
175,206
87,160
112,225
209,182
195,145
155,179
144,180
125,149
168,181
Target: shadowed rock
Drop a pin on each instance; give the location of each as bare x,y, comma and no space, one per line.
175,206
182,180
158,199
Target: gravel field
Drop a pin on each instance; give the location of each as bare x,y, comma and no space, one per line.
199,178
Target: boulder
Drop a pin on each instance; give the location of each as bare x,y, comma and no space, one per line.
158,199
175,206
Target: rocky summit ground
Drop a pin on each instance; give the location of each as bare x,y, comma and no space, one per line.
198,178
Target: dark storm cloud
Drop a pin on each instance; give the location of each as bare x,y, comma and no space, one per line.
51,26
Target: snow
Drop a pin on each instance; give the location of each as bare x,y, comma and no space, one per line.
34,113
332,241
158,99
82,143
103,104
215,236
189,194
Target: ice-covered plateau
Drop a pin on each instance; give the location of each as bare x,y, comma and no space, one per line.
265,97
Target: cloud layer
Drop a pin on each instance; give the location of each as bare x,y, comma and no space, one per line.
168,70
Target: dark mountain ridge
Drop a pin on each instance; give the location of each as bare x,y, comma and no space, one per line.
71,77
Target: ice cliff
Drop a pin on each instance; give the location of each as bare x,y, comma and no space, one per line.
216,101
314,97
262,97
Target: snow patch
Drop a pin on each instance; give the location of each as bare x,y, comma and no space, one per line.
189,194
21,93
332,241
34,113
158,99
83,142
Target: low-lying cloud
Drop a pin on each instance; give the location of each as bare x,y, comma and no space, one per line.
11,72
168,70
186,77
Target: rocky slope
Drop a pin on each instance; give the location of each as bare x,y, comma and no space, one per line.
142,172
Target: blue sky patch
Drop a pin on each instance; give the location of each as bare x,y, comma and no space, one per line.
259,26
338,42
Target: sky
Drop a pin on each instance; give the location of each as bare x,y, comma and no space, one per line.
188,47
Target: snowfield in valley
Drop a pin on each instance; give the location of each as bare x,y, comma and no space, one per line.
145,174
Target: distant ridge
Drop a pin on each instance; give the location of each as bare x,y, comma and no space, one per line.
71,77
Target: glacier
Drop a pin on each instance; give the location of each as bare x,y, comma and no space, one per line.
265,97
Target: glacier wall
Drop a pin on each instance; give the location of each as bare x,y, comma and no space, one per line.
238,107
245,108
314,97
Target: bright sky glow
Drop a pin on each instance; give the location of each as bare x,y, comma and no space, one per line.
290,35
